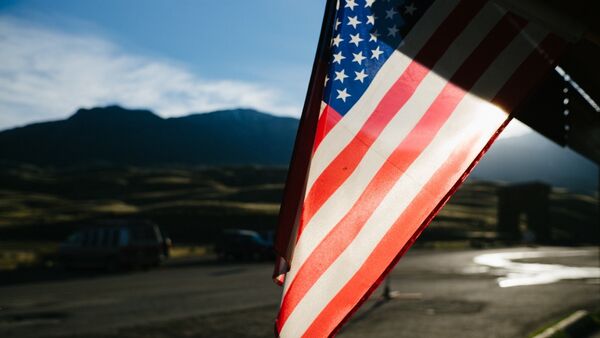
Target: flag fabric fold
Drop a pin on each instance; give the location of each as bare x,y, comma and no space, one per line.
412,95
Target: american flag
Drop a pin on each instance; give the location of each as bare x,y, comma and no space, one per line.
414,93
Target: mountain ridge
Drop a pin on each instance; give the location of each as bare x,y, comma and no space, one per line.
532,157
140,137
247,137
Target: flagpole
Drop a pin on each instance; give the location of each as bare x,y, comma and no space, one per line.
298,170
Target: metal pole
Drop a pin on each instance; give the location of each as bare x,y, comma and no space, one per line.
387,291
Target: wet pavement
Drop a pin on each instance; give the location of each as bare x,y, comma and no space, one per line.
517,272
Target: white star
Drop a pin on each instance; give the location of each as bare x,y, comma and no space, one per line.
337,23
337,58
360,76
343,94
336,41
341,75
350,4
371,19
374,36
369,3
326,79
376,52
358,58
353,21
389,14
410,9
393,31
355,39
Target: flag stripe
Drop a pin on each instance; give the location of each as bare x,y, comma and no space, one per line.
345,266
346,161
327,120
403,88
343,199
402,157
530,72
343,132
386,161
344,303
508,51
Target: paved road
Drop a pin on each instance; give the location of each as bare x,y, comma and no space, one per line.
441,294
462,299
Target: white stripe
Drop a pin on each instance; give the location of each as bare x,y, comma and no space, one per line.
322,109
472,116
345,130
505,64
348,263
342,200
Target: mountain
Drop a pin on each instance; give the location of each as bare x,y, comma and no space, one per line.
139,137
241,136
532,157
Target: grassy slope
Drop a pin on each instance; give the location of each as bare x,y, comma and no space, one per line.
194,204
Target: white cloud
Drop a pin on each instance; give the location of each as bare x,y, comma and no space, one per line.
48,74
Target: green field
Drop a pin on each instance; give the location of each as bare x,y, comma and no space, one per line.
190,204
193,205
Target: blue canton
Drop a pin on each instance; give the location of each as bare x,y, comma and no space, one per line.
366,33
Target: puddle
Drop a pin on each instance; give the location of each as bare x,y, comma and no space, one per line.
522,274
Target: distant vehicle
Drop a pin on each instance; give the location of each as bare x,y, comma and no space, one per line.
115,244
239,244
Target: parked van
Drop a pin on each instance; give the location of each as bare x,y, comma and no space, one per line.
115,244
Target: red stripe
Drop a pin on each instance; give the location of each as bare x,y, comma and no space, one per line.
398,162
530,72
347,160
328,119
355,291
379,264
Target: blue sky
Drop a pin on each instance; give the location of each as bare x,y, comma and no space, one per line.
210,37
61,53
173,57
